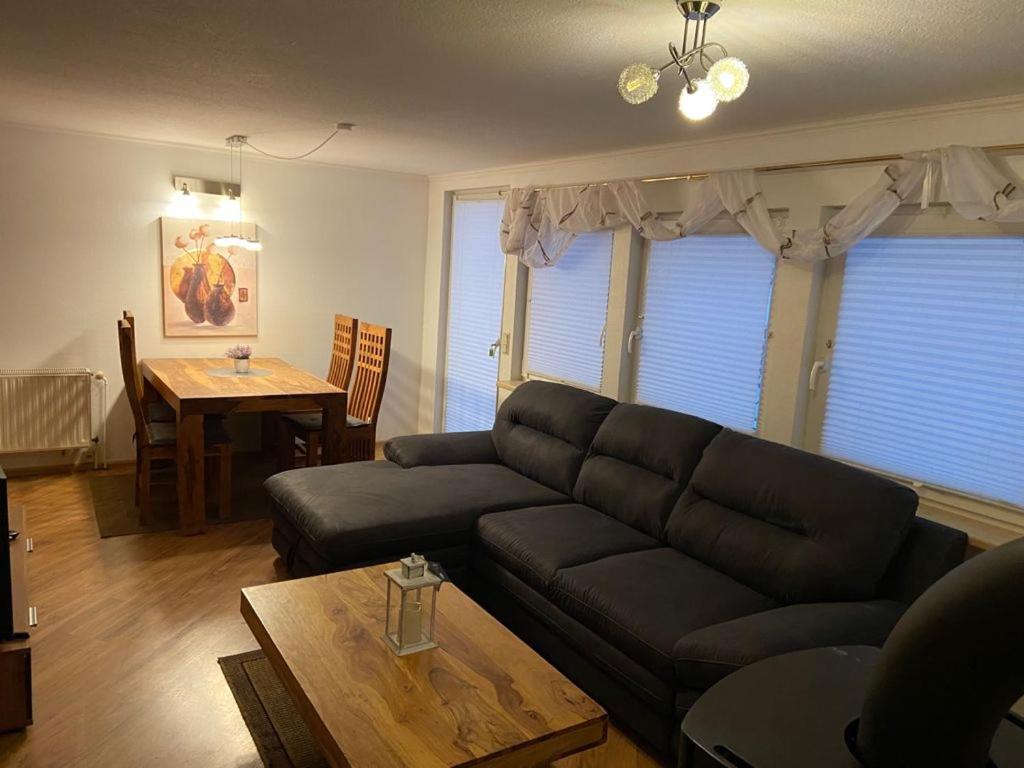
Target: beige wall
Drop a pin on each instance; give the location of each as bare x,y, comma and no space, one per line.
802,193
80,240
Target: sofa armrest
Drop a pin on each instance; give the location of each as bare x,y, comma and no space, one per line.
449,448
705,656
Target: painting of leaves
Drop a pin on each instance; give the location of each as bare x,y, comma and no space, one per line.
207,290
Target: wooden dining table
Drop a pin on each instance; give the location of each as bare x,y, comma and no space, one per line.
200,387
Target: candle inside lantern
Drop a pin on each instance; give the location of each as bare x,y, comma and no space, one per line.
412,623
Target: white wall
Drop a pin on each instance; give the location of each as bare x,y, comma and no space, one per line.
803,193
80,241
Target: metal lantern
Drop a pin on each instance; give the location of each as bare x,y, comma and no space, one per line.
411,606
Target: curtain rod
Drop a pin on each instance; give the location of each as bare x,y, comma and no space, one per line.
701,175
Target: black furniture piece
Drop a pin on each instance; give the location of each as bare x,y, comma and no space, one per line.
646,553
15,618
789,711
936,695
6,583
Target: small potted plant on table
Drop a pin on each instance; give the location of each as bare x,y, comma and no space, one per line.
240,353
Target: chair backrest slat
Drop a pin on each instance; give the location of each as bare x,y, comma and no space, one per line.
343,352
130,372
371,372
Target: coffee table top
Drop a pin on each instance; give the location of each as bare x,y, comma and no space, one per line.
483,698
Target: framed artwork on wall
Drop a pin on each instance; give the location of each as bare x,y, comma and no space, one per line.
207,290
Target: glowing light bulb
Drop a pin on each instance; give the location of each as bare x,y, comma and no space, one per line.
729,78
638,83
698,103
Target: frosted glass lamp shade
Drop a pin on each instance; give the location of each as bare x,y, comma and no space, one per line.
234,241
638,83
729,78
698,103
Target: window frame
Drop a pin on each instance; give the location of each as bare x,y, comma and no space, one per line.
527,374
440,415
910,221
722,226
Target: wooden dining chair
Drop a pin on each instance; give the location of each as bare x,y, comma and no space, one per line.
339,372
157,441
343,351
367,393
373,355
157,409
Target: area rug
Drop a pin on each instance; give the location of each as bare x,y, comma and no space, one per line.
281,737
113,498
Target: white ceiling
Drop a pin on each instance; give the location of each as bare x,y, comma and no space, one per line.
448,85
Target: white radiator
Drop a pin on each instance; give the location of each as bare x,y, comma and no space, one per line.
51,409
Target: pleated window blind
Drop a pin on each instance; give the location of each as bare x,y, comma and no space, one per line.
474,315
706,305
568,310
927,373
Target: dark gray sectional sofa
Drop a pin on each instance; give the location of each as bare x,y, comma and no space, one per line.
646,553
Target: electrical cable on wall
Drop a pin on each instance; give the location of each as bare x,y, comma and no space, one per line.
338,128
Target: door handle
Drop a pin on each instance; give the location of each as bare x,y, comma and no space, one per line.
493,349
819,367
634,336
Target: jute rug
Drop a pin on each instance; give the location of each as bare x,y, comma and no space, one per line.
281,737
113,498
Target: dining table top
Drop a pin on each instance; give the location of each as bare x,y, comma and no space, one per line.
200,378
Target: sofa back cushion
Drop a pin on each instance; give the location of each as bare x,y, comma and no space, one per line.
790,524
543,431
640,462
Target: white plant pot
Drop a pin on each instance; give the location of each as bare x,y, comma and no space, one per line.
242,365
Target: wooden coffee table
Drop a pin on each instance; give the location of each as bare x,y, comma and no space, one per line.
483,698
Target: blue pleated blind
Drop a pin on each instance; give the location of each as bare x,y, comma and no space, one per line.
474,315
706,305
568,310
927,374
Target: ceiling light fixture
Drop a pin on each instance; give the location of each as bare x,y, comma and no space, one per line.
698,103
237,240
725,77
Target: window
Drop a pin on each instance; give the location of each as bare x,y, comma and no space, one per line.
568,310
706,306
474,315
927,373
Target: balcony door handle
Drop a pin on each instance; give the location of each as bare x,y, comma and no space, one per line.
819,367
634,336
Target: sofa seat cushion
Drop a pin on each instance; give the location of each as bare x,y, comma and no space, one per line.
352,513
640,462
644,602
504,596
799,527
536,542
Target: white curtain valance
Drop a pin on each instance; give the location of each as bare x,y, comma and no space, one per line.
539,225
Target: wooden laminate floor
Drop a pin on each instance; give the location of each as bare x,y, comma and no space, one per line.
130,629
